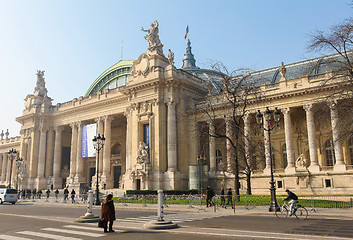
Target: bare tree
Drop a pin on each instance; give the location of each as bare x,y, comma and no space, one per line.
237,90
339,41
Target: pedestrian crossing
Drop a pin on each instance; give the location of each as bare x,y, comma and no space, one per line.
79,232
76,232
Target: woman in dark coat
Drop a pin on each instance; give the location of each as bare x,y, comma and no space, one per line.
108,213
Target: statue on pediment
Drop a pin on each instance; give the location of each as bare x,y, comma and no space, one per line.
154,44
170,57
40,89
282,70
301,161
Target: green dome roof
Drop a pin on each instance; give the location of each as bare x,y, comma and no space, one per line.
115,76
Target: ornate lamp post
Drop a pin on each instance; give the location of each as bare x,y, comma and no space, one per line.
19,162
201,160
98,143
11,154
259,119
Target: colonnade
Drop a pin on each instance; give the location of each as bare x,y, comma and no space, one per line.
314,166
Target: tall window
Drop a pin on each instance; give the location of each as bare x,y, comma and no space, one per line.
218,157
146,134
350,146
330,153
284,155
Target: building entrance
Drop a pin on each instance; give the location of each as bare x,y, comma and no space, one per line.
92,172
117,174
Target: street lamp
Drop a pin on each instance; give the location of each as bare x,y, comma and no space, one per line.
19,162
201,160
259,119
98,143
11,154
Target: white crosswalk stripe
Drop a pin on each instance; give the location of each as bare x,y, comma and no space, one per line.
8,237
58,233
47,235
87,234
89,228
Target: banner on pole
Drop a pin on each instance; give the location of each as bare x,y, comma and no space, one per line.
88,133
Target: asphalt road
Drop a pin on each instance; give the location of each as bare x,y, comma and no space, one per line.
28,221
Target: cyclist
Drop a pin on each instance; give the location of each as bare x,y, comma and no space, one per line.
293,200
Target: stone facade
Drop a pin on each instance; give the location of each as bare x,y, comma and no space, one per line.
153,108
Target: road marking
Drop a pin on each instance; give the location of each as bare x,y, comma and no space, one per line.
47,235
89,228
8,237
251,234
87,234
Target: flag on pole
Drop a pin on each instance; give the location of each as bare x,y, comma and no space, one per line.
187,31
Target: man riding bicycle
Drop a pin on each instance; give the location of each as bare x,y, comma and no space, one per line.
293,200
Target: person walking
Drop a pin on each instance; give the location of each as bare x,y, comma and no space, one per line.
24,194
209,196
223,199
39,193
56,194
29,193
73,193
48,194
230,198
66,194
108,213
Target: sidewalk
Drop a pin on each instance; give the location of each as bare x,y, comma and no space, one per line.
336,213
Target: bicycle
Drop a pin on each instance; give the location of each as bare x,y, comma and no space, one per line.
299,211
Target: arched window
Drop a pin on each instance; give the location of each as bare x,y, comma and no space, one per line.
330,153
218,157
284,155
350,146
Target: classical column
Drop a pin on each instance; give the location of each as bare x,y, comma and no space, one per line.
8,169
340,166
57,157
73,153
49,153
41,158
247,135
314,165
290,169
3,168
128,139
172,136
106,176
267,169
212,146
229,147
99,121
79,161
1,160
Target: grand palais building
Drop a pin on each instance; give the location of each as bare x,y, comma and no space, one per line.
150,115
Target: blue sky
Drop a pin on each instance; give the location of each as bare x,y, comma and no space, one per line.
74,41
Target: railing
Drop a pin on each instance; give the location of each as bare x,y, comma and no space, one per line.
199,201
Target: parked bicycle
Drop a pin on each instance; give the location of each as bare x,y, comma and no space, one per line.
299,211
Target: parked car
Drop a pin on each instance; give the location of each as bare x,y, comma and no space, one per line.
8,195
